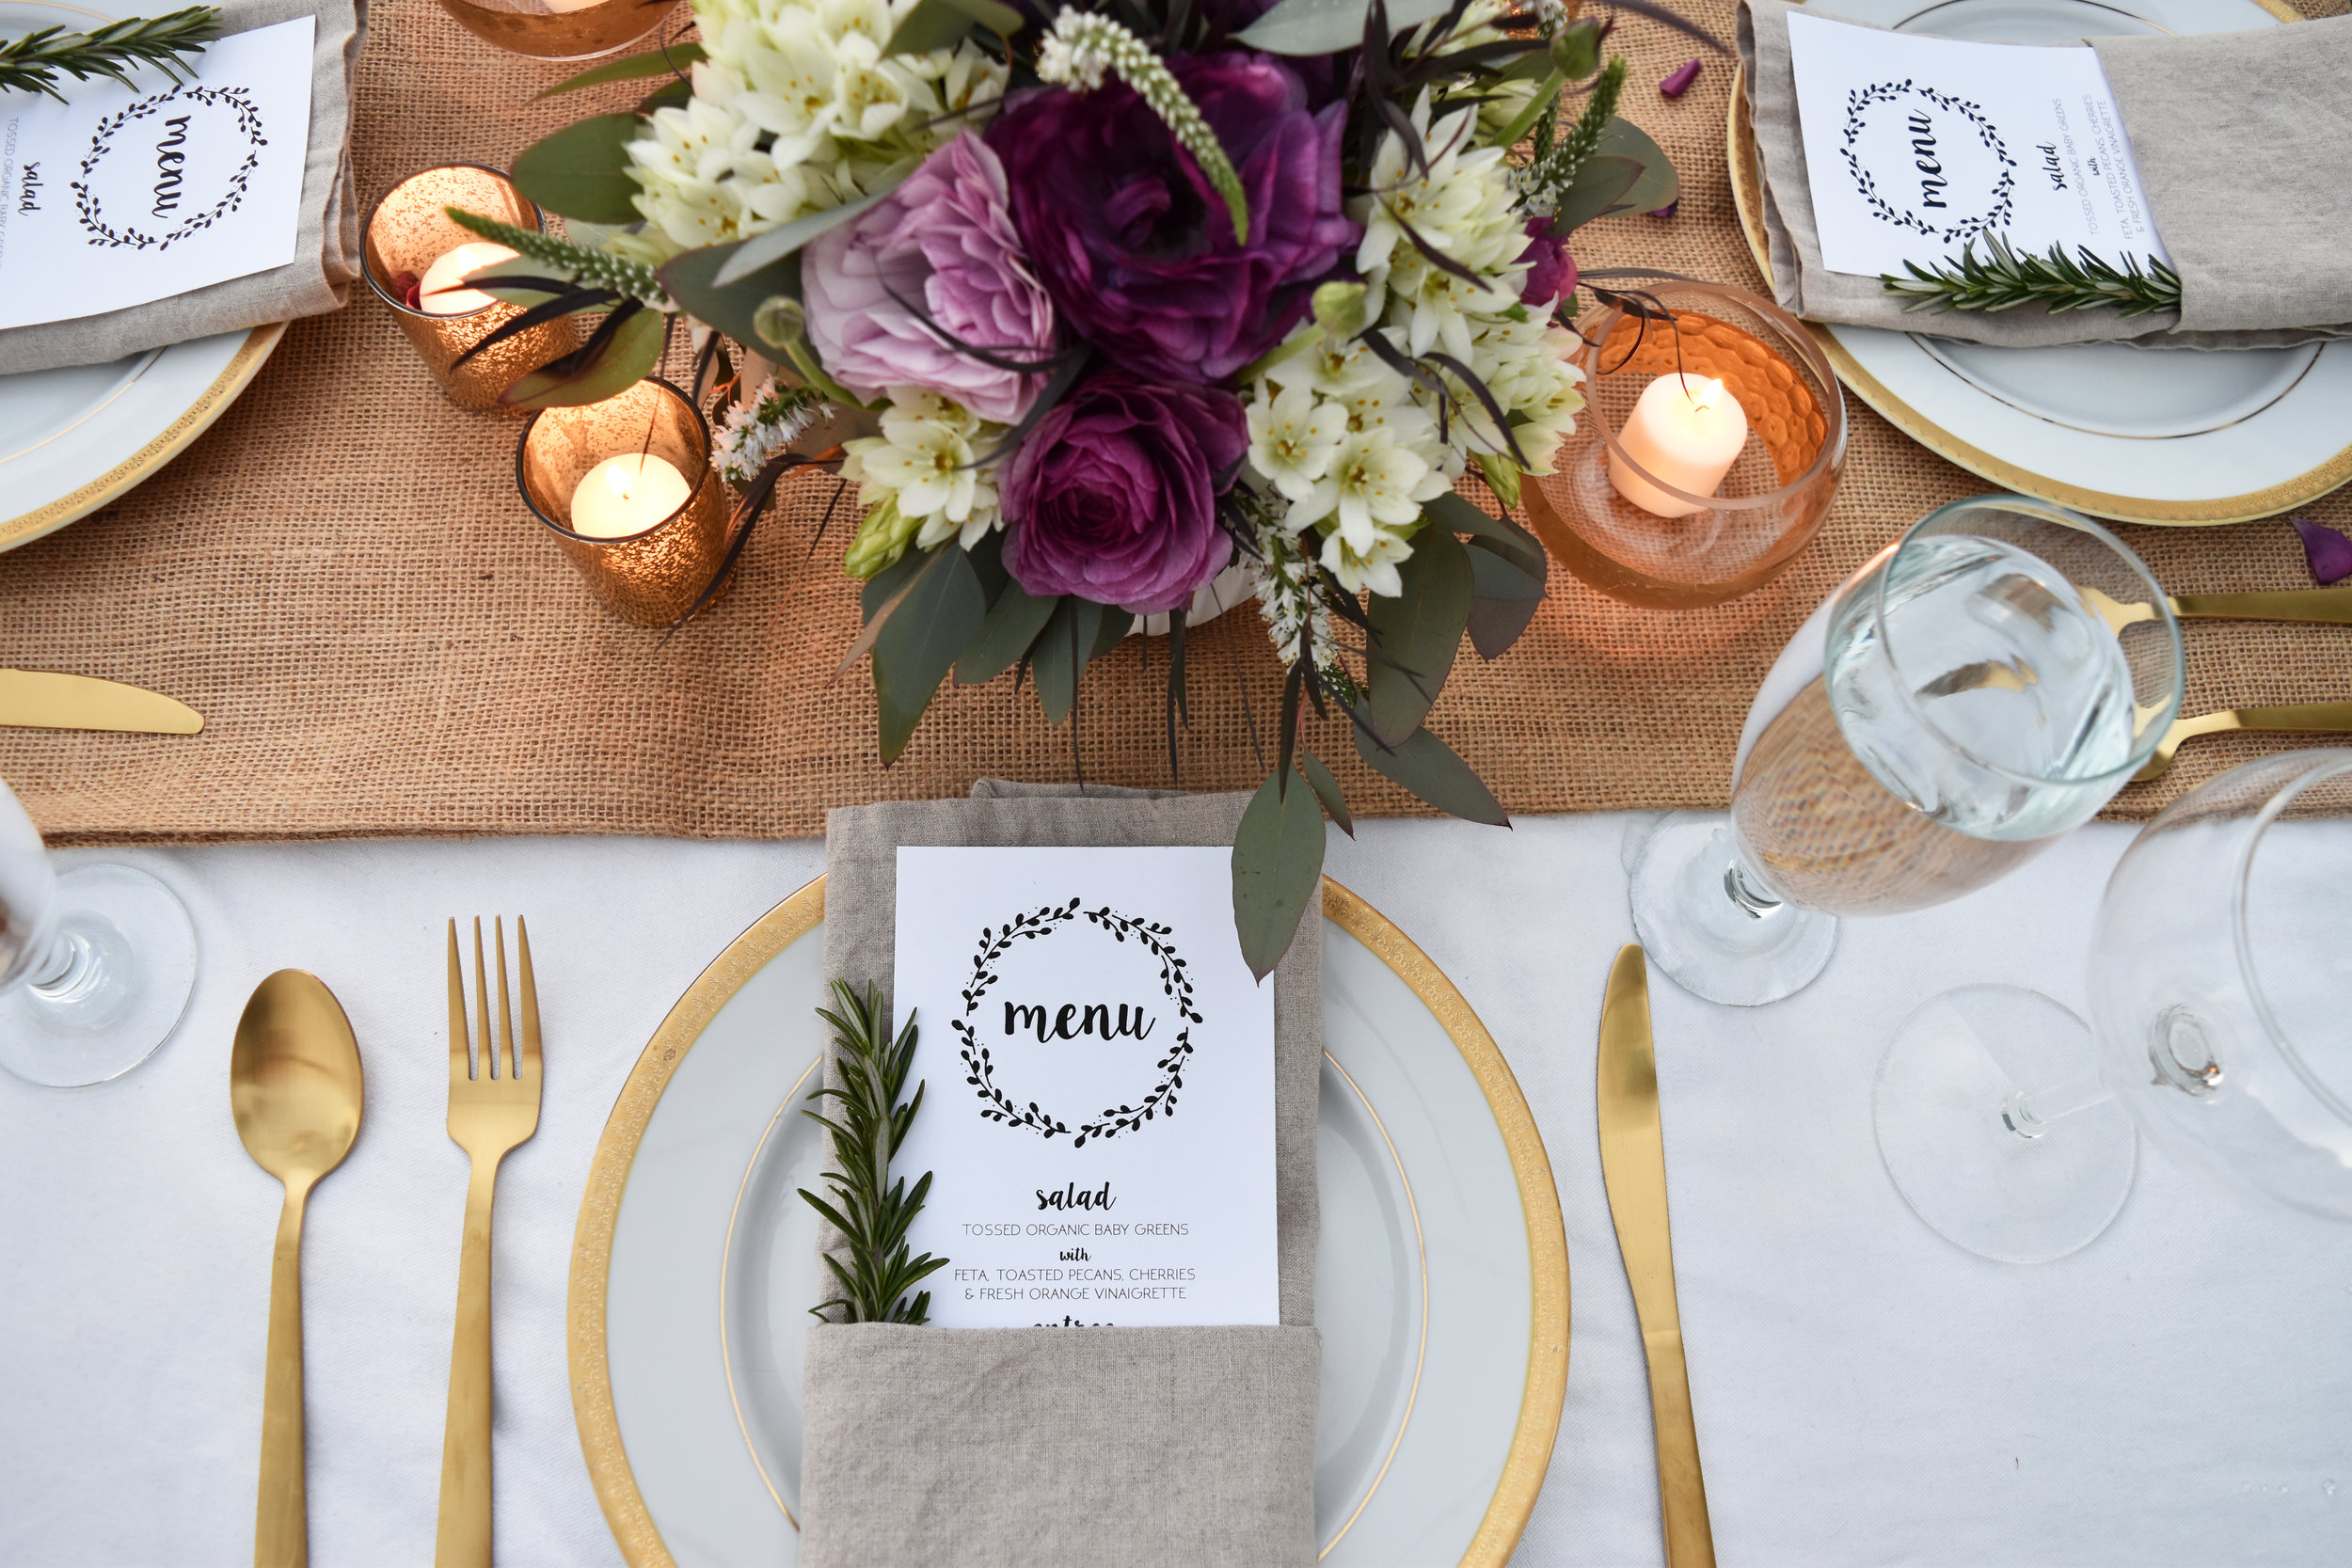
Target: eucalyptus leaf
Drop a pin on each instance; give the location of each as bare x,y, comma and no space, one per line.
631,68
1010,626
1504,600
623,359
1327,26
1278,865
1431,770
1116,624
1602,181
486,279
1659,183
1415,634
1328,791
938,23
1452,510
1062,651
938,618
691,279
761,250
581,171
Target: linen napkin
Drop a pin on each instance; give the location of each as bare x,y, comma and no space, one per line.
2240,139
327,243
1068,1448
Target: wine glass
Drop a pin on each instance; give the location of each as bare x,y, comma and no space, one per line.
1983,685
2221,1011
96,964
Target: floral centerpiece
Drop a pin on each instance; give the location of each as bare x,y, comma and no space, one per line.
1121,300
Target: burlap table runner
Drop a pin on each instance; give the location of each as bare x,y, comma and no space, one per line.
340,576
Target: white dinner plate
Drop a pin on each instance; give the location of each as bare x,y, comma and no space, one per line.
2148,435
74,440
1442,1277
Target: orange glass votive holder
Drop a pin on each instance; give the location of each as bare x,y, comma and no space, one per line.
407,233
559,30
650,434
1770,502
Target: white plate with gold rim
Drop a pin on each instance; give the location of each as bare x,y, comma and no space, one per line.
2148,435
1441,1282
74,440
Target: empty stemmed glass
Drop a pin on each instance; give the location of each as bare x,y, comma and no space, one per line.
1983,685
2219,975
96,964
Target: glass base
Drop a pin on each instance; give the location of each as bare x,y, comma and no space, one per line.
122,997
1943,1085
1714,945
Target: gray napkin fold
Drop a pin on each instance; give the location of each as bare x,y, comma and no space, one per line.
327,243
2239,138
1053,1447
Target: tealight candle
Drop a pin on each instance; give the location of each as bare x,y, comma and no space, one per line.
439,294
627,495
1684,430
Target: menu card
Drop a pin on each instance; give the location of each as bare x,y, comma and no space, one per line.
124,195
1099,1109
1914,146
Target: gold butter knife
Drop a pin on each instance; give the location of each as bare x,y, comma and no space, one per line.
1633,1167
2318,606
42,699
2287,718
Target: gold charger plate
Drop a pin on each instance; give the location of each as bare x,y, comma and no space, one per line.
1745,168
1518,1478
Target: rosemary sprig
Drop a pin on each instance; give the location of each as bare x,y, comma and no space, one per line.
601,269
1547,178
2002,280
868,1206
169,43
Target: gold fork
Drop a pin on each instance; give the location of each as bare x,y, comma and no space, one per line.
492,1109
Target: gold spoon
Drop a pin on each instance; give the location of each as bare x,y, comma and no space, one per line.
294,1085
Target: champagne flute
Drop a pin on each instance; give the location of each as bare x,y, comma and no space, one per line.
2220,1026
96,964
1984,684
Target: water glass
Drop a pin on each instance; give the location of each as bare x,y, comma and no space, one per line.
1986,683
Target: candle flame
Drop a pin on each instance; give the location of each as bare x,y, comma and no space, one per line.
619,477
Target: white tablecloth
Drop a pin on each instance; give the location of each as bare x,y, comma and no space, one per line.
2179,1393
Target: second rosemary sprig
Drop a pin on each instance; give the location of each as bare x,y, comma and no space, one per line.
2002,279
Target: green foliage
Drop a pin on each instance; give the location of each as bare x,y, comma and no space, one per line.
2002,280
1326,26
581,171
675,61
1432,770
1415,634
1545,182
870,1209
748,257
1007,631
938,23
169,43
1278,861
938,615
563,259
620,354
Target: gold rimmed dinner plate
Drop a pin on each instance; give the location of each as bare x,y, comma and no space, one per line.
1441,1272
74,440
2145,436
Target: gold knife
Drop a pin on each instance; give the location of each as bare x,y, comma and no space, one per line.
2288,719
2321,605
41,700
1633,1167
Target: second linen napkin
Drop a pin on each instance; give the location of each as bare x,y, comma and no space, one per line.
1161,1448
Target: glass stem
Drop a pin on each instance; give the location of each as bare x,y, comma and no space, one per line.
72,972
1745,889
2029,1114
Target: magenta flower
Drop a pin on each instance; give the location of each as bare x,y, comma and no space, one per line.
1137,249
941,243
1551,270
1113,496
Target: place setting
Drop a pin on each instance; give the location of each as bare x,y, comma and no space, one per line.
927,706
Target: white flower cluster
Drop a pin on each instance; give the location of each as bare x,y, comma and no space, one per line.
922,479
761,426
795,110
1356,446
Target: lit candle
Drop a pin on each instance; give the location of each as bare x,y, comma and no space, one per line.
439,294
1684,430
627,495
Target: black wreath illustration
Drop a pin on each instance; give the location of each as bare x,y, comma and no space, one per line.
86,202
2004,193
1114,1119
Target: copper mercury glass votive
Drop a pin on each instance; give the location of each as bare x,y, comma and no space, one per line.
559,30
407,233
652,576
1770,503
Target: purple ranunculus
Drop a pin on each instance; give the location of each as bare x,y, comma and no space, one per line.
1551,271
1113,495
943,240
1134,246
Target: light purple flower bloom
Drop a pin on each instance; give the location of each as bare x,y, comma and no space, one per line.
1113,496
943,242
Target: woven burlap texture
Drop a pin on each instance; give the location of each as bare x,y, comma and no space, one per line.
340,576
